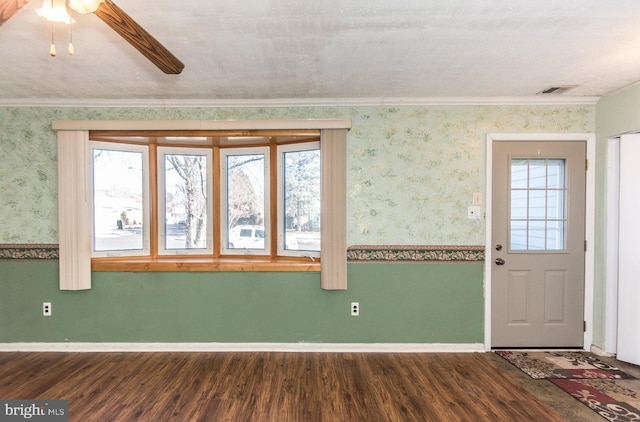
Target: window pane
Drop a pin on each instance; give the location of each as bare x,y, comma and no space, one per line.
519,204
185,191
518,235
302,200
537,204
519,174
537,209
555,204
245,201
555,174
536,235
537,173
555,235
117,200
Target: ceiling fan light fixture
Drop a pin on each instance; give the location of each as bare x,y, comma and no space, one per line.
84,6
55,11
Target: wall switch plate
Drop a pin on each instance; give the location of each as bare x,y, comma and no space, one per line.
355,308
46,309
477,198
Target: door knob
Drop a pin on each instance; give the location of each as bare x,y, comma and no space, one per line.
499,261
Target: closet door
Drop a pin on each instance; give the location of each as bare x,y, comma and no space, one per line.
629,247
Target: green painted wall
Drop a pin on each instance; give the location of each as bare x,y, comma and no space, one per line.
617,114
399,303
411,174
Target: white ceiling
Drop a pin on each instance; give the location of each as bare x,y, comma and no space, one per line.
331,49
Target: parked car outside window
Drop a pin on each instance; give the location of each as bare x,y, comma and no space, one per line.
246,237
252,237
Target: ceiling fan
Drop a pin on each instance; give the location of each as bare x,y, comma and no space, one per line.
124,25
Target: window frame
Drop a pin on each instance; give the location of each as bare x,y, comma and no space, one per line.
525,218
218,256
161,152
223,209
146,200
283,149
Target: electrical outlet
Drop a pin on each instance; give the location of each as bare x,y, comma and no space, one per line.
355,308
473,212
46,309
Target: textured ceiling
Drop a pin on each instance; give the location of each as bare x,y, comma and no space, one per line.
331,49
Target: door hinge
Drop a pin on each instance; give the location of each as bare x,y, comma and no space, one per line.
584,326
586,165
585,245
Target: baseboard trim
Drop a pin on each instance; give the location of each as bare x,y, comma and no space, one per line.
245,347
600,352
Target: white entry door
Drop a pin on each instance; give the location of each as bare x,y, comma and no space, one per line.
628,347
538,241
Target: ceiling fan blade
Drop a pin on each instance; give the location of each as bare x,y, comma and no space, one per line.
135,35
9,7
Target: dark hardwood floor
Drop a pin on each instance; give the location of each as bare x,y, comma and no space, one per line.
271,386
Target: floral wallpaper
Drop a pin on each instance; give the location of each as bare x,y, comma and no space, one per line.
412,170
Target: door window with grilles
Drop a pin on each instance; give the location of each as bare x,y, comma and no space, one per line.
538,215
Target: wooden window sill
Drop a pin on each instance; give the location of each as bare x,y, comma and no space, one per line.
144,264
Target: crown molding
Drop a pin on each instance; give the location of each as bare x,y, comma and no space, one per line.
298,102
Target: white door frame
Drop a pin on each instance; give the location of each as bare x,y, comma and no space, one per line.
612,247
590,201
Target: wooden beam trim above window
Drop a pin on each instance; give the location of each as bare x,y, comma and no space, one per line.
206,138
209,133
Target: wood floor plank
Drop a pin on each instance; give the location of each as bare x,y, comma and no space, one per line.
261,386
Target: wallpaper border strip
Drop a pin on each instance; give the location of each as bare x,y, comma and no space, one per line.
409,253
29,252
356,253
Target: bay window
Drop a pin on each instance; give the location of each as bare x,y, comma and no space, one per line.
160,197
202,196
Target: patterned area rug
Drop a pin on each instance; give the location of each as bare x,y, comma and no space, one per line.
541,365
612,393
